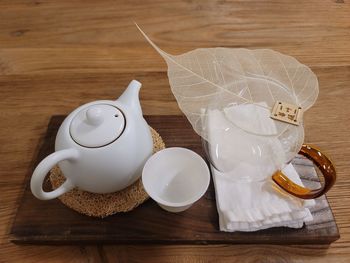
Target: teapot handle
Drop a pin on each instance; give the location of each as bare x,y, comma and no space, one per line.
322,162
44,167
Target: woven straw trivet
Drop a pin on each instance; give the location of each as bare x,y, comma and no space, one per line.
102,205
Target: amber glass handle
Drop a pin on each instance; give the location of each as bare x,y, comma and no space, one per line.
322,162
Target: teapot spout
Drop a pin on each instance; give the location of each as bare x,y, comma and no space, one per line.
130,97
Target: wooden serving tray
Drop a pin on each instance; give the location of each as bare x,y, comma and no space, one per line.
50,222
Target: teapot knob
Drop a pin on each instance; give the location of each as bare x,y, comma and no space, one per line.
94,116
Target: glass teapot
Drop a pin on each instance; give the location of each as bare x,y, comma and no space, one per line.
246,143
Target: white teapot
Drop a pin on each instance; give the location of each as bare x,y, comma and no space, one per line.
101,147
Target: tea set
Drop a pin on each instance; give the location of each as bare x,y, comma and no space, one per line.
104,146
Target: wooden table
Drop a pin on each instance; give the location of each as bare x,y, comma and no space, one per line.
56,55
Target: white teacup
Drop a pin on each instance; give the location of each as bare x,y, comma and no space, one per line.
175,178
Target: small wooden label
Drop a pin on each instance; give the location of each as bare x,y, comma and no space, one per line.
286,112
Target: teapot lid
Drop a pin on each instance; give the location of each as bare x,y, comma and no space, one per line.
97,125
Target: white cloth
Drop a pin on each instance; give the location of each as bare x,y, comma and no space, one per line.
246,197
251,206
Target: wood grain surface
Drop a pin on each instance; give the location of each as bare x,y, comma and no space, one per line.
56,55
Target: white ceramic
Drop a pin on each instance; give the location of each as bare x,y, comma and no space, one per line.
101,147
175,178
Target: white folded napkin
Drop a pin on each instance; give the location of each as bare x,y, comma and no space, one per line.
246,197
251,206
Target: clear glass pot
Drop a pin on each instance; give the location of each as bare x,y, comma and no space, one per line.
245,143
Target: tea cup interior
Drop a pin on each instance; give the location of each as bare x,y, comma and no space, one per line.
175,177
